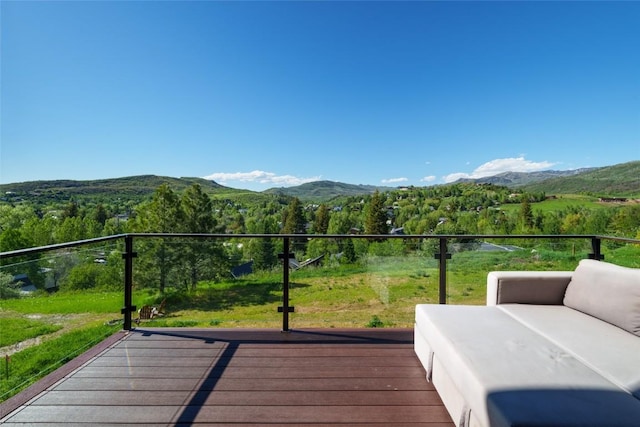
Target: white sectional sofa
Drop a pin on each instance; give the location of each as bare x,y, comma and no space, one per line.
548,349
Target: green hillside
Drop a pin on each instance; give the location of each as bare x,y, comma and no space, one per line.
128,189
319,191
622,180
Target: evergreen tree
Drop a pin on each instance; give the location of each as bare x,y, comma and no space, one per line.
159,258
198,211
162,215
263,250
321,223
376,216
526,213
349,252
294,220
200,256
71,210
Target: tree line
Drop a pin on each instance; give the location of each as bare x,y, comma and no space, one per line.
182,263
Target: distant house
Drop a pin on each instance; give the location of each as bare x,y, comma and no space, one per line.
26,286
242,269
613,199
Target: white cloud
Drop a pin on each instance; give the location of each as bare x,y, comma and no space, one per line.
455,176
497,166
429,178
394,180
261,177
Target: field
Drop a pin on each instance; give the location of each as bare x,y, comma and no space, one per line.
41,333
562,202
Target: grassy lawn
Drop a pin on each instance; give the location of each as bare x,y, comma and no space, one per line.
42,333
68,303
29,365
15,330
561,202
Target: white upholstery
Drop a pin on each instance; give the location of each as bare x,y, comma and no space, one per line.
608,292
492,359
525,359
605,348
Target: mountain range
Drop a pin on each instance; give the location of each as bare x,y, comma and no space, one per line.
519,179
621,180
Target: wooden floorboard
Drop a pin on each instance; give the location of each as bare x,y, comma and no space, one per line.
244,377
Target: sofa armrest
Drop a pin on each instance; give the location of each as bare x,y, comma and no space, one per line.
527,287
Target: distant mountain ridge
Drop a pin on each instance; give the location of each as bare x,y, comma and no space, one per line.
617,180
325,190
138,184
519,179
131,188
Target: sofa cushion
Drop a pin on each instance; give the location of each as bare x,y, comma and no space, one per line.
611,351
527,287
608,292
495,360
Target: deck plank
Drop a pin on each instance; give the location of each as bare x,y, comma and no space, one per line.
244,377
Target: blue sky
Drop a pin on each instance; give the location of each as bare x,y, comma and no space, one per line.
268,94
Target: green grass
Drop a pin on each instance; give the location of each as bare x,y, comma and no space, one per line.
560,203
67,303
31,364
15,330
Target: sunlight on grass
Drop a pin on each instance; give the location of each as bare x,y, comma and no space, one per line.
15,330
31,364
67,303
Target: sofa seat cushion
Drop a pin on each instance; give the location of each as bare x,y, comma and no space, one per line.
612,352
606,291
496,361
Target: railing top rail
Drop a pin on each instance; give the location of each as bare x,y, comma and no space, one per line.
371,236
29,251
619,239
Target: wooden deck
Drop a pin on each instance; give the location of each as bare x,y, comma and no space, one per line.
239,377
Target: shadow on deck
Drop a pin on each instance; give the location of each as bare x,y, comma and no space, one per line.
162,376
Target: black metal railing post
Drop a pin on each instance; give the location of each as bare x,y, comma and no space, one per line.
128,256
285,309
442,258
596,246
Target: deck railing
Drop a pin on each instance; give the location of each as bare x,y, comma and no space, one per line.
441,253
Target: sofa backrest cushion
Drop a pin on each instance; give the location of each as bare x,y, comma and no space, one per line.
608,292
